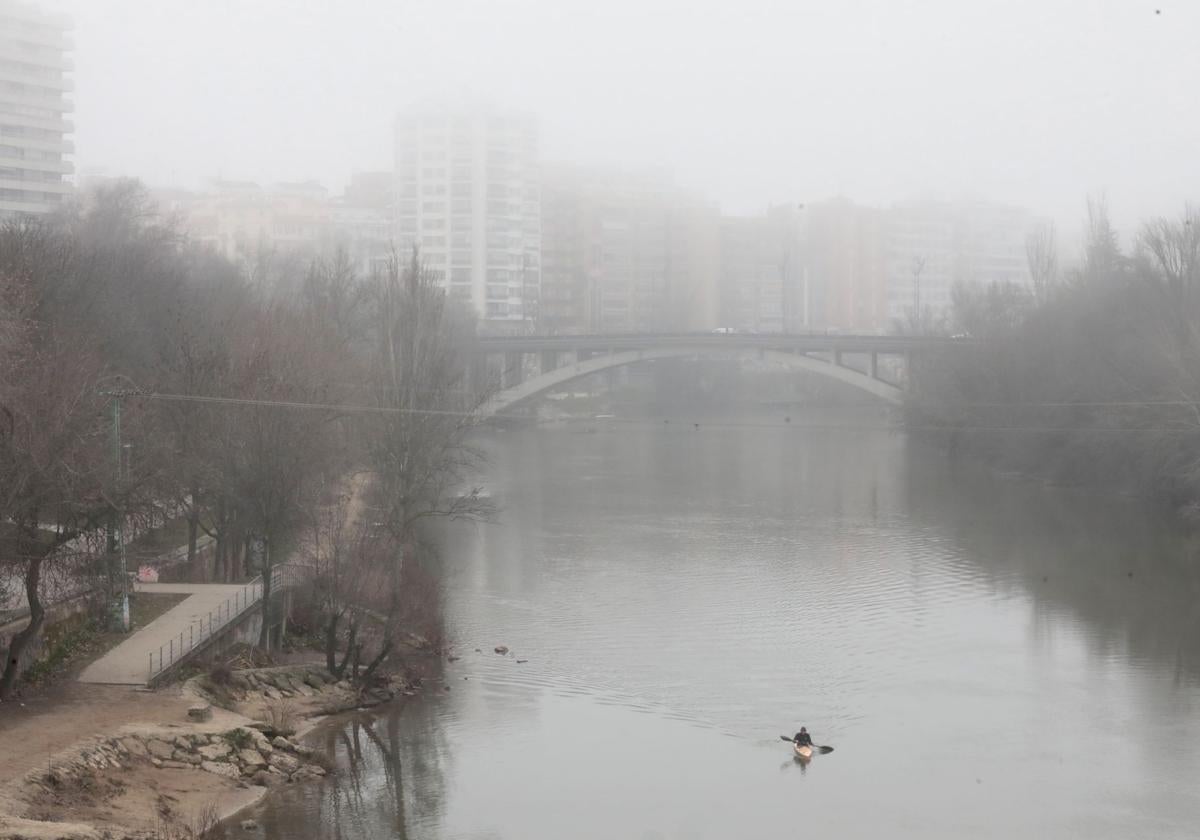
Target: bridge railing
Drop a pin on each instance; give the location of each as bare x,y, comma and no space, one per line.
177,648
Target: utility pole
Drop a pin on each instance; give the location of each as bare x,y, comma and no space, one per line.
918,265
119,526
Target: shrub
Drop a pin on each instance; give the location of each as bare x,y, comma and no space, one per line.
280,714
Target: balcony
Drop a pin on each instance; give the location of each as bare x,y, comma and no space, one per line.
61,83
55,187
10,118
63,167
63,146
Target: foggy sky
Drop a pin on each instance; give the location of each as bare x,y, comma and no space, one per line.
1035,102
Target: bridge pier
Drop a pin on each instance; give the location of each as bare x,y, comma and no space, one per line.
836,356
514,369
476,375
548,361
874,369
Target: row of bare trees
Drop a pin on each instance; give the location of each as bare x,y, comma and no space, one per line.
244,397
1091,378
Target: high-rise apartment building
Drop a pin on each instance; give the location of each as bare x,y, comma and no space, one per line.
846,263
34,110
468,196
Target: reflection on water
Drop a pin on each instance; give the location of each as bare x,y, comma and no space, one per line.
991,658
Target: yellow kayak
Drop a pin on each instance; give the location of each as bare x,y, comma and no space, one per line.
802,752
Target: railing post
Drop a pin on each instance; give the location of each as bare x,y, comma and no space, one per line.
150,666
191,635
172,650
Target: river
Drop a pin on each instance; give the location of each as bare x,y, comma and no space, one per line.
989,657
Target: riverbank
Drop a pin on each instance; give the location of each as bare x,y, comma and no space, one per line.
100,761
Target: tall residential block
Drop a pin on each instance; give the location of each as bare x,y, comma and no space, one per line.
34,110
468,196
846,263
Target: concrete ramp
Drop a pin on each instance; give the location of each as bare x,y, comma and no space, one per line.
175,633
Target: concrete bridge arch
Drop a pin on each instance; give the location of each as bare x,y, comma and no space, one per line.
523,391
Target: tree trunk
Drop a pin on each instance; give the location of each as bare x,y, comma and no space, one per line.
37,617
383,654
193,529
351,647
264,634
331,643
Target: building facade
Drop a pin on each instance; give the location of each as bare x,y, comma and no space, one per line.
844,245
765,285
247,223
932,246
626,252
468,197
34,110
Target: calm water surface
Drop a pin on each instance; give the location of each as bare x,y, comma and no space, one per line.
990,658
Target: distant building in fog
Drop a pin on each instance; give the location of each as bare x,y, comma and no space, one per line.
467,194
363,221
763,284
931,246
625,252
34,110
844,245
247,222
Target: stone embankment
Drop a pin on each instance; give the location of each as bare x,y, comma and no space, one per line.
241,737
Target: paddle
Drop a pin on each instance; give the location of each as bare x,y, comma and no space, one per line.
822,750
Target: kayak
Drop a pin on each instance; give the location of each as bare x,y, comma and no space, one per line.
802,752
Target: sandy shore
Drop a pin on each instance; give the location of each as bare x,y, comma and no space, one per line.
55,782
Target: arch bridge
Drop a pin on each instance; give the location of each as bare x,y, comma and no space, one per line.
534,365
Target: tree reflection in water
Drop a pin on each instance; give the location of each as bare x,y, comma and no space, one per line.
389,781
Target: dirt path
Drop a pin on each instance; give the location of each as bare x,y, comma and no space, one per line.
72,712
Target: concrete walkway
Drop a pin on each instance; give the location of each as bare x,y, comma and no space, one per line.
129,662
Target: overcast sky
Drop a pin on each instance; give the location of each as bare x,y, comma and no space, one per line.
1035,102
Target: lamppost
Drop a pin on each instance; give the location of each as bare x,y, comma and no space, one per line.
118,530
918,265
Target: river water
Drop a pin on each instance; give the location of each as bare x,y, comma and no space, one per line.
989,657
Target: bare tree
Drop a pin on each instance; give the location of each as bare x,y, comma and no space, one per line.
418,445
1041,255
53,432
276,451
1174,246
1102,258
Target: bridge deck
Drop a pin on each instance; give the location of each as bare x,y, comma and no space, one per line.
805,342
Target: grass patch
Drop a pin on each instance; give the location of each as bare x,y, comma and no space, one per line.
144,607
82,638
63,650
239,739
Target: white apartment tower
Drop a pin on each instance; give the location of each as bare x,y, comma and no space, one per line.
34,110
467,194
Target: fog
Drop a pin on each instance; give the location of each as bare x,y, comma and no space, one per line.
1031,103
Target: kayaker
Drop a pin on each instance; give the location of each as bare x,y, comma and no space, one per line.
803,739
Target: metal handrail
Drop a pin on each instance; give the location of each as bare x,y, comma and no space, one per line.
175,649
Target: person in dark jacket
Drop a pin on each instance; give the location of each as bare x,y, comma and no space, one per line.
802,739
